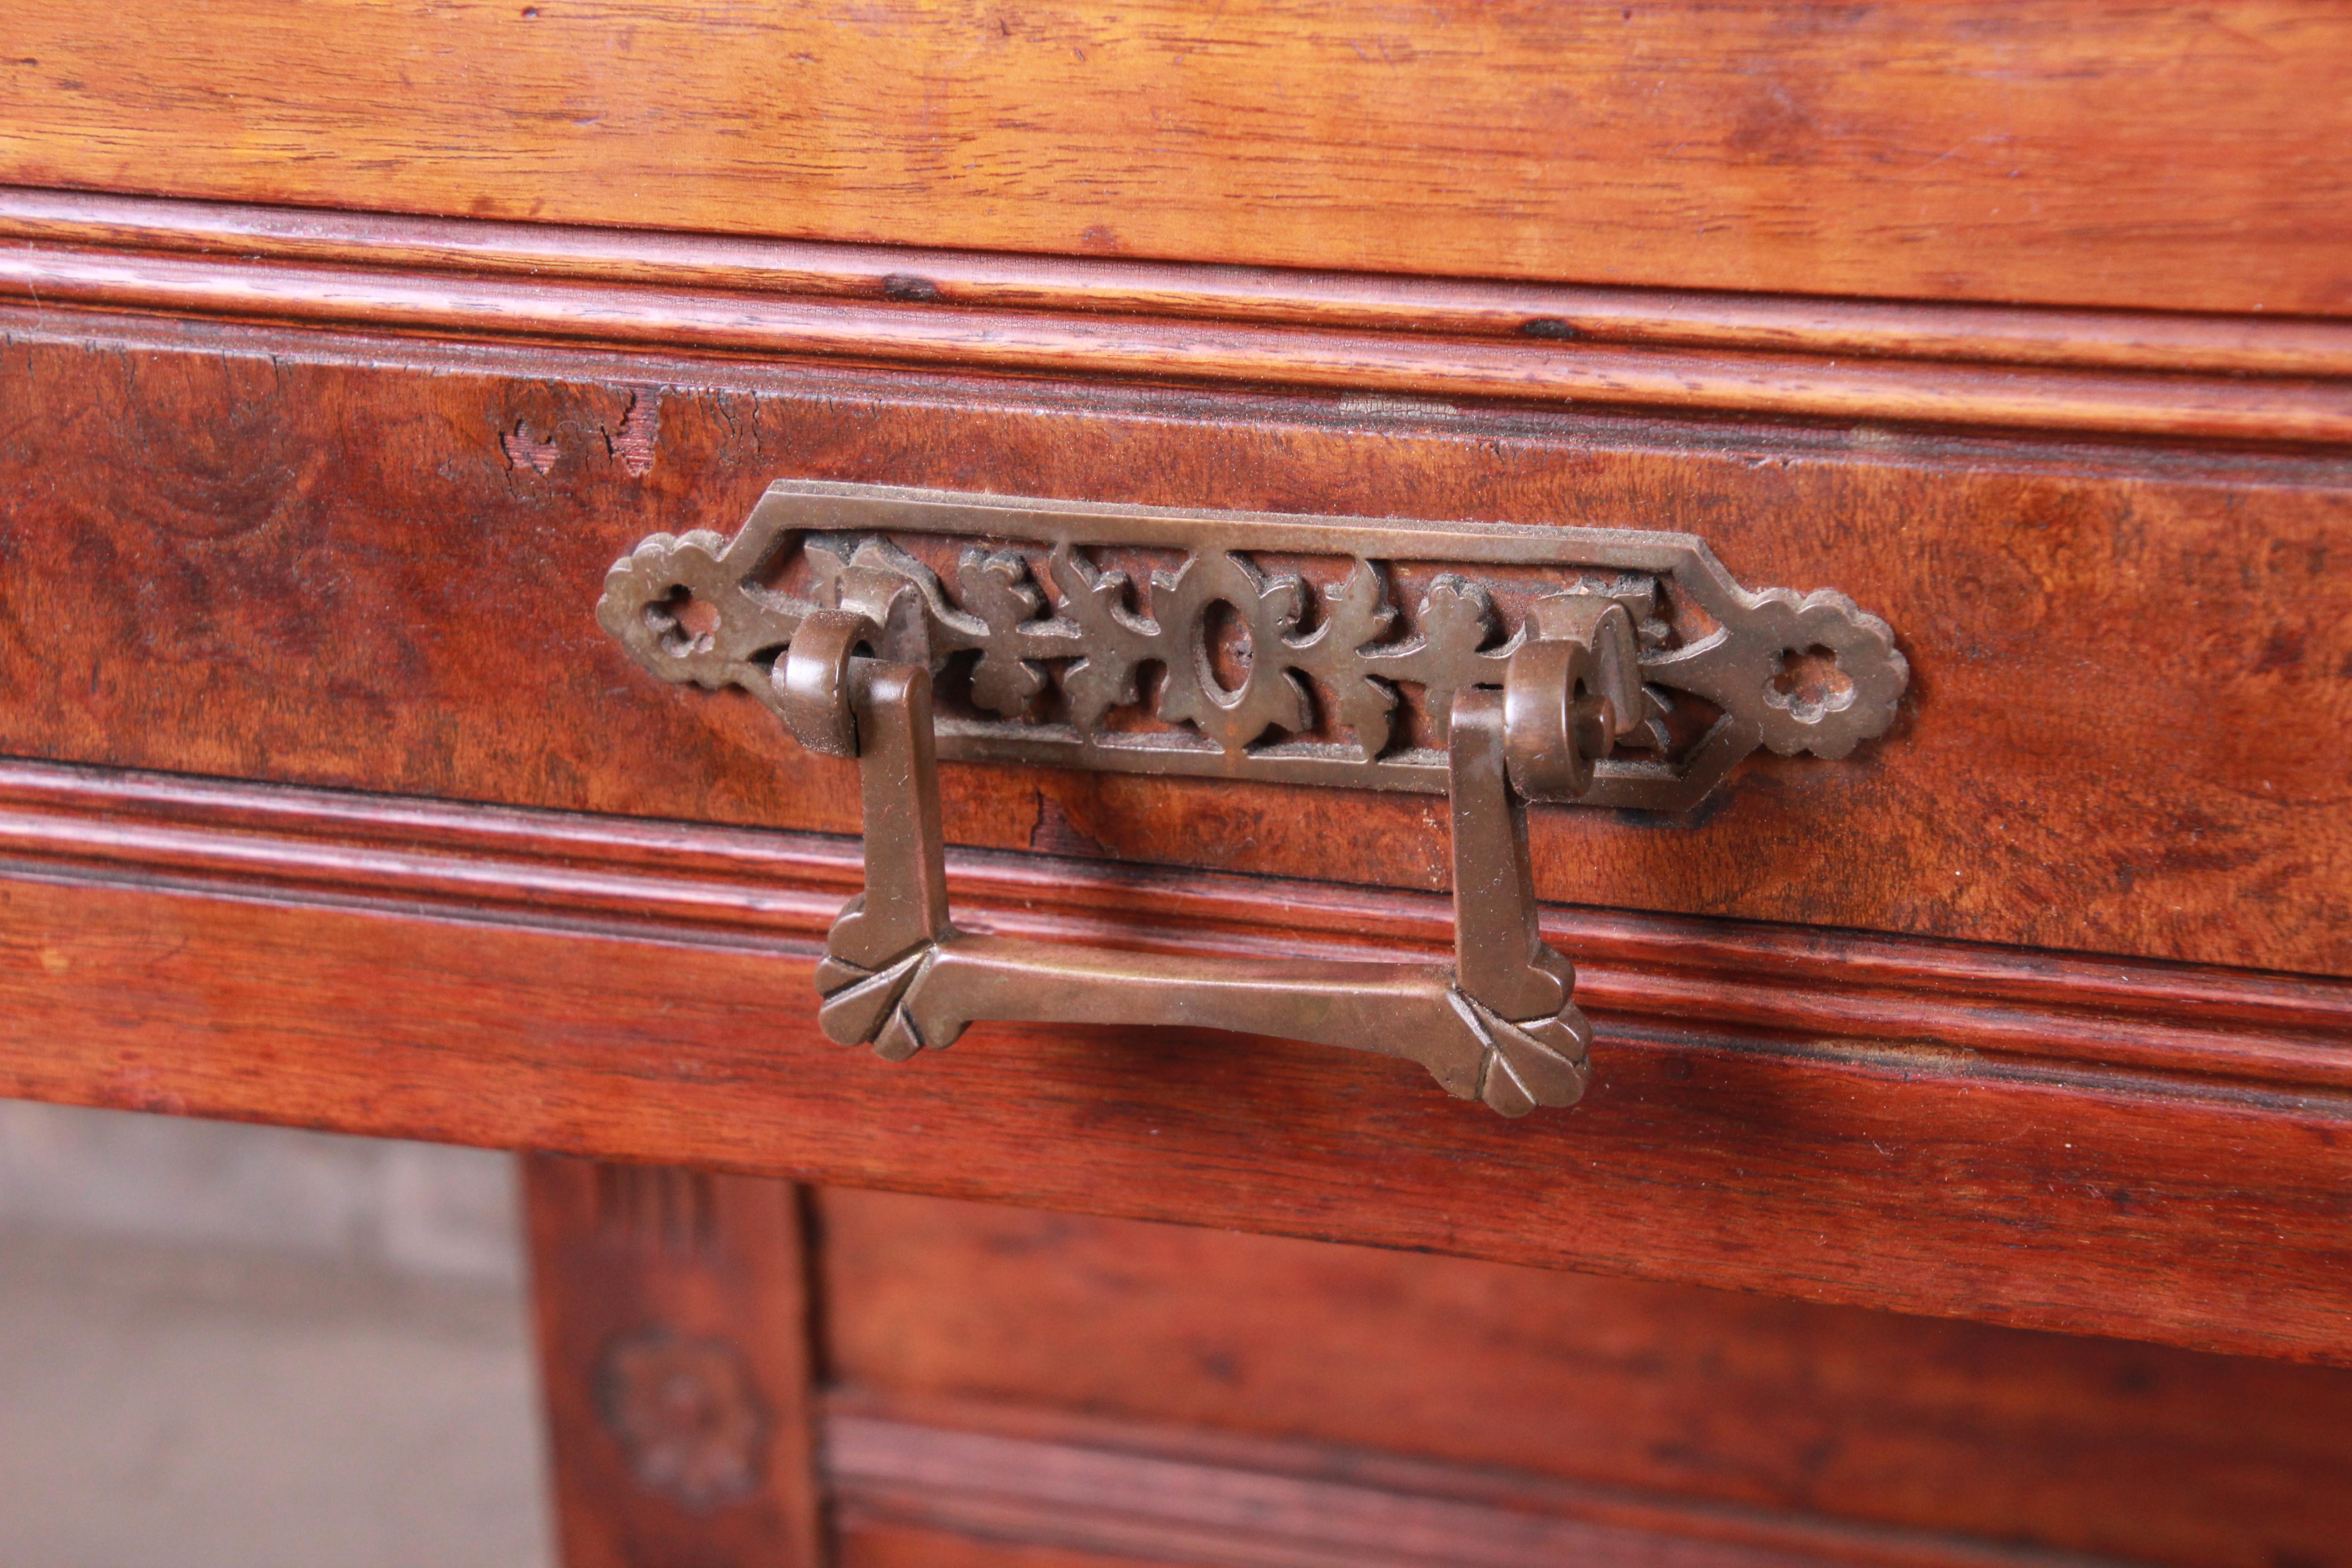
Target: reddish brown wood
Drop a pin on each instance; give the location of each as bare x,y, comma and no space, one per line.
711,884
2091,1445
2168,339
1000,1486
1090,1493
1922,1180
2146,374
371,565
675,1357
2058,151
257,523
893,1545
1214,1398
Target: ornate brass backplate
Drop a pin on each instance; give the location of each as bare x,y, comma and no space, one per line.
1552,663
1070,634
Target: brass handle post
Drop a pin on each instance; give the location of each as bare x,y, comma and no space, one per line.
1496,1025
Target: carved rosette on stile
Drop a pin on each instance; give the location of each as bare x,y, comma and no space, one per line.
685,1413
1218,664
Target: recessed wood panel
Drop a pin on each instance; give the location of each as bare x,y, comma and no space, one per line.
2058,150
374,565
2088,1445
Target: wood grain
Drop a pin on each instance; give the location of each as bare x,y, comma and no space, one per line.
1921,1180
1104,285
778,893
675,1366
363,563
878,1544
1198,1396
2170,340
2147,374
1801,1413
921,1495
2056,151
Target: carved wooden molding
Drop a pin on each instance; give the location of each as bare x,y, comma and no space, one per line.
1281,647
611,987
2257,378
2201,1030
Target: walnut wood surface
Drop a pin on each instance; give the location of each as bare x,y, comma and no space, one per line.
2168,339
675,1366
956,1490
1806,1414
370,565
329,562
993,1386
2170,375
2057,150
780,891
1921,1179
894,1544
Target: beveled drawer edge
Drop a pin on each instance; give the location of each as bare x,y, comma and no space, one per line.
1934,1006
2118,373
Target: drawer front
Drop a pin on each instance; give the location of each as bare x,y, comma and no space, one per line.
378,569
331,803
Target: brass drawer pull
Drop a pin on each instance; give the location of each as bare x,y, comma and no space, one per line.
843,638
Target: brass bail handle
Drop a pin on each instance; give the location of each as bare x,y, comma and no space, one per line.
1497,1024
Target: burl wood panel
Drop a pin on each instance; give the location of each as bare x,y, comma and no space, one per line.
2092,1445
2054,151
1925,1180
373,566
675,1361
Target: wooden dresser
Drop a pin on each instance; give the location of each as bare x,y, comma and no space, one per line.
1876,478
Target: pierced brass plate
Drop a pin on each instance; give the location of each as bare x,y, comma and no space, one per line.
1243,645
1295,649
